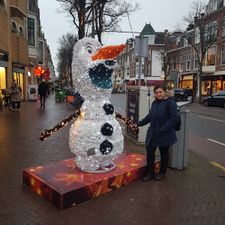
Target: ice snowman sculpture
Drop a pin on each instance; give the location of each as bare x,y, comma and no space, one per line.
95,137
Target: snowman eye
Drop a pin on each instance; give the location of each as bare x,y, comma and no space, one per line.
89,50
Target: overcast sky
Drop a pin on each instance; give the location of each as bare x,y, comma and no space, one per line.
162,14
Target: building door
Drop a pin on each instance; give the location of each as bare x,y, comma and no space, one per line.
19,78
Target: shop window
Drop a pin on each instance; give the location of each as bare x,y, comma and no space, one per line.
223,55
14,28
2,78
187,84
18,78
216,86
206,87
223,85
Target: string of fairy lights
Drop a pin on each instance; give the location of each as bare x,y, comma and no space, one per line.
63,123
48,132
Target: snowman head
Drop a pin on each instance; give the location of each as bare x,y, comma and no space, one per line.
92,68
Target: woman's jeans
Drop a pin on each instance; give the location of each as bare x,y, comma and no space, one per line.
164,158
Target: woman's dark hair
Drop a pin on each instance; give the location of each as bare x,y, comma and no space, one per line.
163,87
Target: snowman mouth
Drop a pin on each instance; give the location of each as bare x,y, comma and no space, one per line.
101,75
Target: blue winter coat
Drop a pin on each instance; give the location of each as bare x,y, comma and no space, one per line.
162,117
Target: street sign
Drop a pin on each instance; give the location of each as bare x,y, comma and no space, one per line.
141,46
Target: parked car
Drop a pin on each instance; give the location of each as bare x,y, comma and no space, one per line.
183,94
217,99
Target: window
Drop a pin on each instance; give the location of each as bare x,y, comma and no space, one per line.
188,62
196,63
2,4
206,32
41,50
223,27
211,57
197,35
174,64
206,87
223,55
20,29
220,4
32,6
181,61
212,30
31,31
185,42
14,28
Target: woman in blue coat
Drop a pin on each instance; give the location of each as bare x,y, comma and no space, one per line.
162,117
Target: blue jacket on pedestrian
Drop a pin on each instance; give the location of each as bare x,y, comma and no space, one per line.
162,117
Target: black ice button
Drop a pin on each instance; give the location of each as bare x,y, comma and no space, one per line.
109,109
107,129
106,147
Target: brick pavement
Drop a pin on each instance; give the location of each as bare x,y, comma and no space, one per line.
191,197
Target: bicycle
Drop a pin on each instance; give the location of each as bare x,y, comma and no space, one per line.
6,103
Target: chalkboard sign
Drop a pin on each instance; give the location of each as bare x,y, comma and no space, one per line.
132,109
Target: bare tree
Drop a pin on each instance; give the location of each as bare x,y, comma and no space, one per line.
201,35
65,57
108,14
93,17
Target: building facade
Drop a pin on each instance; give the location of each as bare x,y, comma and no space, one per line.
185,67
13,44
22,45
146,70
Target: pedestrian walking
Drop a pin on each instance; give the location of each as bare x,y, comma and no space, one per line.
43,91
162,117
15,96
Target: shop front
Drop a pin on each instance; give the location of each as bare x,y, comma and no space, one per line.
2,77
3,69
189,81
212,84
18,77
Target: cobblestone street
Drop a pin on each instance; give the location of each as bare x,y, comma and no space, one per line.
195,196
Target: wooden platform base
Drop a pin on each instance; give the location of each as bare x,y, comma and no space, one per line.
62,184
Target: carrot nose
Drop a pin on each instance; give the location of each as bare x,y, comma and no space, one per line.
108,52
